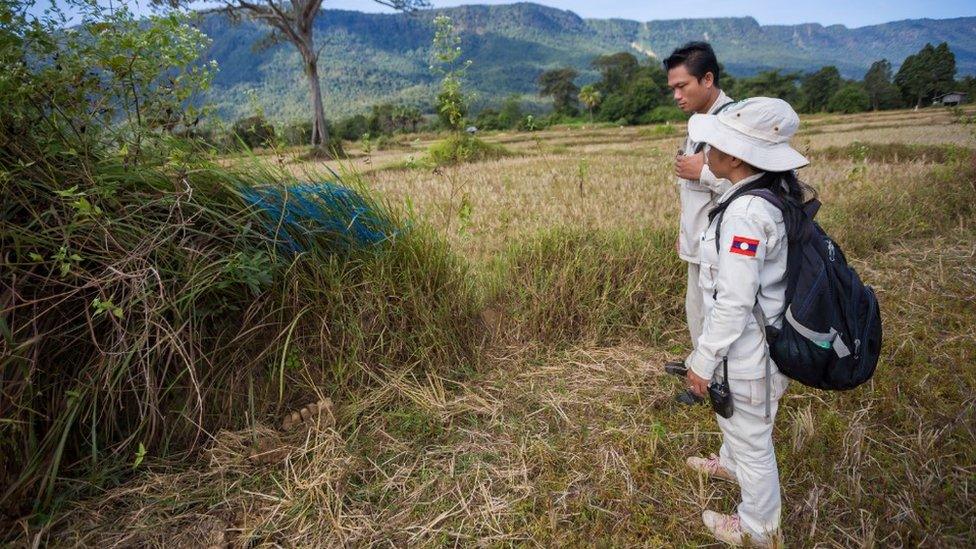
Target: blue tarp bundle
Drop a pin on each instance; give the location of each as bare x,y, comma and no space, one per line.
305,215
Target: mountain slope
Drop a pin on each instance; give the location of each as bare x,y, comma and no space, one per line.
370,58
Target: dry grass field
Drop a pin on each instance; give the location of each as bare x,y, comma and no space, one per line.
612,177
561,430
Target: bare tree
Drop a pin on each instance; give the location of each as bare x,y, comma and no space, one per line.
292,21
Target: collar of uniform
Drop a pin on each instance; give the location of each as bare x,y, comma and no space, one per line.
722,99
741,182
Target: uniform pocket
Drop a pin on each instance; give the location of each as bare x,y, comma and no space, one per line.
777,387
708,256
706,278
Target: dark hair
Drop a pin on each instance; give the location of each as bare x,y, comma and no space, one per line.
698,57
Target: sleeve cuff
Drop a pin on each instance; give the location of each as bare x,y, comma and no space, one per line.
708,179
703,367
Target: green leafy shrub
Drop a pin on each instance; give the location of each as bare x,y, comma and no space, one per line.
254,132
298,133
352,128
488,119
460,148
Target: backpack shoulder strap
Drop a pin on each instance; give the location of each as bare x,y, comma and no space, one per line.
766,194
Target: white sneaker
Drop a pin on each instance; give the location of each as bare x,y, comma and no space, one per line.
710,467
729,529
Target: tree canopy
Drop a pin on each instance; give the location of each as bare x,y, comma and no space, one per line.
882,93
558,84
818,87
926,74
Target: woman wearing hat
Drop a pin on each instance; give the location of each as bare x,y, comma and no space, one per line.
743,282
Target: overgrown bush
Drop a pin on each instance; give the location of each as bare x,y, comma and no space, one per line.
353,127
487,119
144,301
460,148
299,133
253,132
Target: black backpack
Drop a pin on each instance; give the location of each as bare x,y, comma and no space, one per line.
831,334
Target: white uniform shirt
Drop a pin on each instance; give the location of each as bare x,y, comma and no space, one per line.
697,197
751,259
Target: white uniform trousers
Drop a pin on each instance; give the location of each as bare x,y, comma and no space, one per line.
694,305
747,451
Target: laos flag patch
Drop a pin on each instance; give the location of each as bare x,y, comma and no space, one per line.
744,246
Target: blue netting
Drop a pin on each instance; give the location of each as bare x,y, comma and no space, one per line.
309,215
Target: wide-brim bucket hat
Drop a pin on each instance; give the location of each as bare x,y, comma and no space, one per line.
755,130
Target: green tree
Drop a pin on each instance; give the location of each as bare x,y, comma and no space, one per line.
292,21
818,87
590,97
451,101
511,113
927,73
643,95
615,109
911,79
769,84
617,70
558,84
851,98
387,119
944,69
967,85
406,118
882,92
114,84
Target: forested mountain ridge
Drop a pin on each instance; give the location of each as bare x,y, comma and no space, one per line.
372,58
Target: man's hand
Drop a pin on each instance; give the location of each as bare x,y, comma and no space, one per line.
698,385
689,166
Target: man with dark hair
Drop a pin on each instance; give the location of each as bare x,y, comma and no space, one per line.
693,76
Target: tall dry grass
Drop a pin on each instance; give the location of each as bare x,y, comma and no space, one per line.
563,432
142,310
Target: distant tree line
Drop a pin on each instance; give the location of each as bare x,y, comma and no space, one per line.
921,78
631,91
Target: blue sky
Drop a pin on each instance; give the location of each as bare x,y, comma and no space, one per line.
851,13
